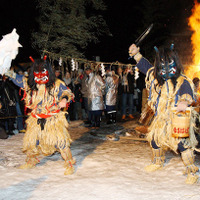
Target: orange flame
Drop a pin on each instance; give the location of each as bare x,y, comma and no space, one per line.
194,23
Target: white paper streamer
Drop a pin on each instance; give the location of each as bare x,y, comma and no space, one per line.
60,61
73,64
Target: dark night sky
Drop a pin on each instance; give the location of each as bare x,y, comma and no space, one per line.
122,19
125,23
19,14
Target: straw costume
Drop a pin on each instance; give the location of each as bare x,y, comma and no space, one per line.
47,127
167,88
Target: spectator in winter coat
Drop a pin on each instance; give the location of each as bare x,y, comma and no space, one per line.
8,102
68,81
84,92
111,89
127,92
96,88
77,110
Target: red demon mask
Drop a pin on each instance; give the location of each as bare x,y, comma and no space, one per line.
41,77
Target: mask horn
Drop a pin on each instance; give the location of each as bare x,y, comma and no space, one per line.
30,57
172,47
45,57
156,49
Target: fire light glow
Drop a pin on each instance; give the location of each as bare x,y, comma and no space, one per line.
194,23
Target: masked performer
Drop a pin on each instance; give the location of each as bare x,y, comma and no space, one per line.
47,127
167,88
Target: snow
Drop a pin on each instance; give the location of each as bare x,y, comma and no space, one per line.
105,170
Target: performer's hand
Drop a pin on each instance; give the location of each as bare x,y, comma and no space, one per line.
182,106
62,103
133,50
11,74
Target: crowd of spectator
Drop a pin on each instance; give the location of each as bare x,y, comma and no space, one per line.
114,96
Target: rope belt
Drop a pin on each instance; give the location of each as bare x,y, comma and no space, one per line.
44,116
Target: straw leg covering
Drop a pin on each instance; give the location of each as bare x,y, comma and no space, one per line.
191,169
54,136
158,159
69,161
31,161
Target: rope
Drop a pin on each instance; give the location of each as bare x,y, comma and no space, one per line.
54,55
13,116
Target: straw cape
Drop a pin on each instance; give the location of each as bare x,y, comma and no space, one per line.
161,100
55,134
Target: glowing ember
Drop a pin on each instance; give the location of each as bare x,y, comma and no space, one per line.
194,23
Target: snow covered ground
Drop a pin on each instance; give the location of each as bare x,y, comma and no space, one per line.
105,170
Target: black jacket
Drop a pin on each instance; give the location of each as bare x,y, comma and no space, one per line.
7,98
129,88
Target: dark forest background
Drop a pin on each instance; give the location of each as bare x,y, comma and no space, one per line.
126,20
